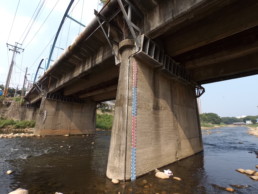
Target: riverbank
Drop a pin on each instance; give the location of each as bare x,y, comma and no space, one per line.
253,130
13,133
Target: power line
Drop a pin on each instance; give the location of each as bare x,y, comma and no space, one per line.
13,20
42,24
42,51
33,19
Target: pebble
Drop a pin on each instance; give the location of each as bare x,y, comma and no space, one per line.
249,172
9,172
66,135
20,191
115,181
240,170
230,189
177,178
144,181
92,143
254,178
58,193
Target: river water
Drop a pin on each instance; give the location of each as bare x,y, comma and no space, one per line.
77,165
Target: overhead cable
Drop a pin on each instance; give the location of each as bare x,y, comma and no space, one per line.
13,20
32,21
42,24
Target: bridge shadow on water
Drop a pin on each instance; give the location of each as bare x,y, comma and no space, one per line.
78,165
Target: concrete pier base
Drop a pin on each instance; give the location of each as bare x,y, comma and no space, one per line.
60,118
167,123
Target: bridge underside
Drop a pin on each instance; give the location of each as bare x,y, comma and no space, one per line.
188,43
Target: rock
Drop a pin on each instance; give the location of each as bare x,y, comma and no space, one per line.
230,189
144,181
161,175
254,178
239,186
146,186
20,191
249,172
256,166
177,178
66,135
92,143
240,170
256,174
9,172
115,181
58,193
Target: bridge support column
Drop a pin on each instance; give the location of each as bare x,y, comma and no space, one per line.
60,118
168,126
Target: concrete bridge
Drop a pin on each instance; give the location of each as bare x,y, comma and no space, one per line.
151,57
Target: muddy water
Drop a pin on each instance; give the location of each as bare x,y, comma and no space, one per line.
78,165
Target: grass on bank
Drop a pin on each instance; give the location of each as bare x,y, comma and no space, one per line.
4,123
104,121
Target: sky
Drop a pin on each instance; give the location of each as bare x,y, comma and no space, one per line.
235,97
39,39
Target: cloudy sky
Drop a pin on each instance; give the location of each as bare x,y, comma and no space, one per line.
229,98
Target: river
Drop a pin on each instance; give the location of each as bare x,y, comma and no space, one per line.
77,165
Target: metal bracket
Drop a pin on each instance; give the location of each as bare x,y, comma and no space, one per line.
98,16
199,90
130,25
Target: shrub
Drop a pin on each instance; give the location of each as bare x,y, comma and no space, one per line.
104,121
5,123
24,124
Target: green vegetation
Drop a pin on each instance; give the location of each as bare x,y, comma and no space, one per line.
212,119
16,124
104,121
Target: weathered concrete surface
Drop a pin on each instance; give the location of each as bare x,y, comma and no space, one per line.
16,111
59,118
167,121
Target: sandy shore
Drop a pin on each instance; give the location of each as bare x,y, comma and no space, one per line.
253,131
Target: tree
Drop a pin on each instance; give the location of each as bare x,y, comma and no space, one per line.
212,118
230,120
250,118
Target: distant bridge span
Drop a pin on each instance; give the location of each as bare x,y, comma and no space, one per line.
152,57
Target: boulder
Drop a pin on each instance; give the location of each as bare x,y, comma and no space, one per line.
115,181
229,189
177,178
9,172
240,170
20,191
254,178
249,172
161,175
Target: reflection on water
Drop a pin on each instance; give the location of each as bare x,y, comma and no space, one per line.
78,165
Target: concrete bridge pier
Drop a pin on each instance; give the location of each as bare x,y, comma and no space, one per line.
167,119
59,118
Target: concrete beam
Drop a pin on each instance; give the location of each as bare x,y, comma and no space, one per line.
100,91
239,67
92,79
222,24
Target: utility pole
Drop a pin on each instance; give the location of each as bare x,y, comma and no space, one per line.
15,50
24,82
